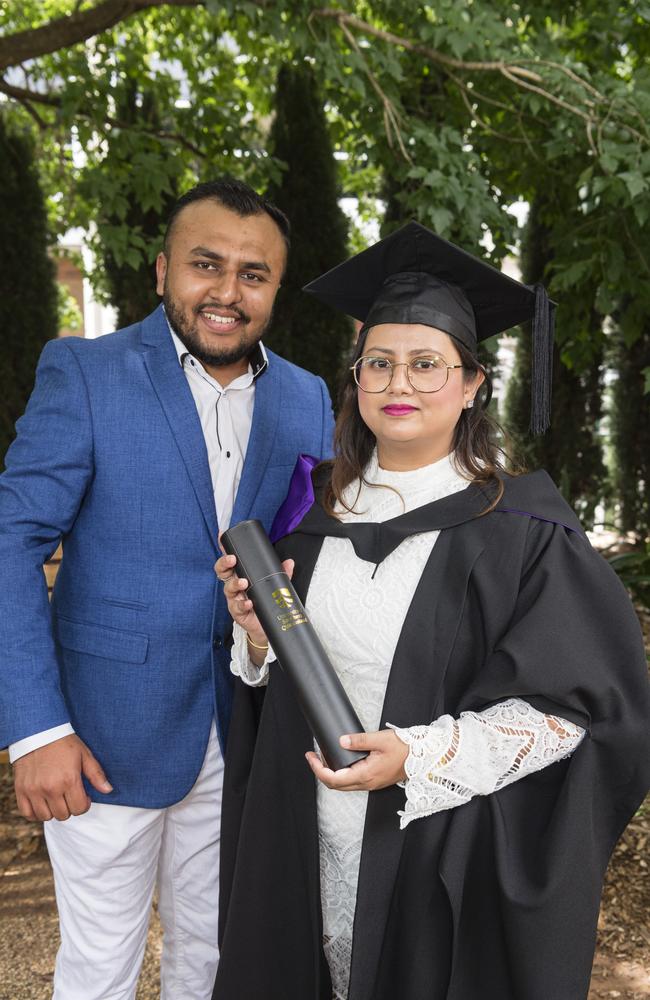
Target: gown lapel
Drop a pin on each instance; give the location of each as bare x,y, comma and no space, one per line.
374,541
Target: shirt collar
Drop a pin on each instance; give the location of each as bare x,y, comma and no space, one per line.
258,361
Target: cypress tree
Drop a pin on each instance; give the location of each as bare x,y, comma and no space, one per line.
132,289
28,295
630,432
570,451
304,330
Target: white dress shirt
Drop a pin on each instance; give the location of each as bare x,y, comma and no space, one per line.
226,415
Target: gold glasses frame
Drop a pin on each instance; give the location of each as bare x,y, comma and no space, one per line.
393,365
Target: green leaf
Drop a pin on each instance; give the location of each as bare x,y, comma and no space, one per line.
634,182
608,163
441,219
641,209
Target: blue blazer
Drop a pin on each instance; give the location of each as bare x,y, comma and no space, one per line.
110,459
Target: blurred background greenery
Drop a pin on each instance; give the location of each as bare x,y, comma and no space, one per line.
519,131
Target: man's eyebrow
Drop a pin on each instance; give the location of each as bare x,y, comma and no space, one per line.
247,265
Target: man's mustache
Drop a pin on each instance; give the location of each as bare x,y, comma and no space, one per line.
207,306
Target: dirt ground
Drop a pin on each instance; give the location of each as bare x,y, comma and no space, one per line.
29,934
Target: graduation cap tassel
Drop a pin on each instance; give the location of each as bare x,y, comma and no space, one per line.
542,368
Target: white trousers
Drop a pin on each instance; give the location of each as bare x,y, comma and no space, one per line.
106,865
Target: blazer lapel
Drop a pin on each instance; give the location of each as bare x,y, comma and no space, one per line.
175,396
416,678
266,412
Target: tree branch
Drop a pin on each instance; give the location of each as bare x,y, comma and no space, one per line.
515,73
33,96
29,97
70,29
433,55
488,129
391,117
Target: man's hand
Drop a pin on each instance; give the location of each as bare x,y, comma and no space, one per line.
383,766
48,780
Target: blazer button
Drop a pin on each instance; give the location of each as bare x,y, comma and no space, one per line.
217,642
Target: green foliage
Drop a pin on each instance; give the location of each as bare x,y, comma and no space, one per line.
304,330
28,295
570,451
481,105
448,111
139,185
630,431
634,571
69,316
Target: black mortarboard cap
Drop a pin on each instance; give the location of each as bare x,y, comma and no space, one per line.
414,276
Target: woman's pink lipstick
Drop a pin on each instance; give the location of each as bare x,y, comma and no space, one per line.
395,410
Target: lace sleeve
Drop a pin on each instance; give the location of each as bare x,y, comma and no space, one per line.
241,664
452,760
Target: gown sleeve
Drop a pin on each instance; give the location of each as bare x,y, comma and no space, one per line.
452,760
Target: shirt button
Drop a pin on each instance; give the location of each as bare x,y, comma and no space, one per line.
217,642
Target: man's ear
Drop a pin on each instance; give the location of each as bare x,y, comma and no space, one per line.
161,271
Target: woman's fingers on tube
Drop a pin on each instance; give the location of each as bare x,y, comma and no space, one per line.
224,566
234,586
343,780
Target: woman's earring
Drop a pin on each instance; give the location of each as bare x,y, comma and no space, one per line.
469,404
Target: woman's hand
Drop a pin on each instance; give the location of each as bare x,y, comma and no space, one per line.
239,605
383,766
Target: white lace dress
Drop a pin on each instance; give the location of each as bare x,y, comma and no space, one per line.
358,613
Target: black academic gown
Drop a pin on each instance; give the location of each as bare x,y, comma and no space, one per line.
497,899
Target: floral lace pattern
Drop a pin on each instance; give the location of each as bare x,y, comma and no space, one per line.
241,664
452,760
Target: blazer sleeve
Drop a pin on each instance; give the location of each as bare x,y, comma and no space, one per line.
48,469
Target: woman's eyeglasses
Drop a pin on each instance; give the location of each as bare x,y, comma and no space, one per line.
424,374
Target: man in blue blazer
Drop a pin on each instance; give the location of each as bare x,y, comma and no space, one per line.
135,450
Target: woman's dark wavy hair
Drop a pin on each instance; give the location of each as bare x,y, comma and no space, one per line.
478,454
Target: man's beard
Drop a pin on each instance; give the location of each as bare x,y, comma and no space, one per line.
188,333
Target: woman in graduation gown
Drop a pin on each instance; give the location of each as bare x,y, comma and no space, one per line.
492,656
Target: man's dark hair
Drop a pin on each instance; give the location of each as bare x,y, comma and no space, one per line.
234,195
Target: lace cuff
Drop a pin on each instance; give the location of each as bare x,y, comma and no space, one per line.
452,760
241,664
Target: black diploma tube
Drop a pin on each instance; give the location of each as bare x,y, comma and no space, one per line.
321,695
